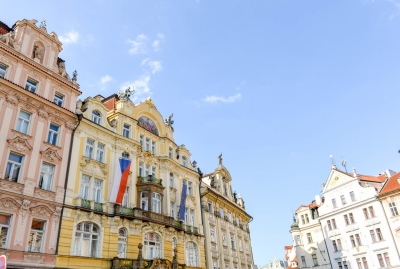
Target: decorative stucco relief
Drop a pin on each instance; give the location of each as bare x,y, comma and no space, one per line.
93,167
42,211
90,216
51,155
19,144
28,258
9,204
49,195
24,209
12,98
11,186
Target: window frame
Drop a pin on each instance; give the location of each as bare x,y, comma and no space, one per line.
53,133
31,85
23,122
44,172
13,164
89,147
94,237
157,243
3,71
334,204
393,209
96,117
58,99
122,243
100,152
7,234
34,233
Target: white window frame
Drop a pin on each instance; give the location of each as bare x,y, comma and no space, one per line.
393,209
84,190
78,243
190,188
140,170
100,153
122,243
125,199
97,190
31,85
192,254
58,99
141,138
34,247
170,153
96,117
153,147
172,209
144,200
4,243
13,166
53,134
156,202
152,248
23,123
233,242
3,71
126,130
46,176
147,144
89,151
184,161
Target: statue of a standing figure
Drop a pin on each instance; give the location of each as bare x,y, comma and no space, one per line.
37,53
220,159
125,95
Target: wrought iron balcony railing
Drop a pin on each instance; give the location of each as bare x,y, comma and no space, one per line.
149,179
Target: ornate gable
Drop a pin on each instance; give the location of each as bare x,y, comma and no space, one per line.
51,155
41,211
335,179
19,144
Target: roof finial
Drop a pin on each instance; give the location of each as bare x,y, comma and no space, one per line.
332,161
354,172
344,163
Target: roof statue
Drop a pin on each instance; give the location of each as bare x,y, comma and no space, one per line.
74,76
126,95
8,38
42,24
220,159
169,121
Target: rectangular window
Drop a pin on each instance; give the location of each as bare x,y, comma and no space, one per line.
23,122
298,240
343,199
233,245
191,217
339,244
140,171
153,147
184,161
303,221
153,172
125,200
46,176
345,265
309,238
36,236
210,207
3,71
170,153
85,186
221,212
387,260
89,148
340,265
371,211
52,137
172,205
393,209
365,212
4,228
334,224
315,259
379,234
353,241
373,236
365,263
126,131
13,169
100,152
141,141
351,217
346,219
212,234
58,99
31,85
190,188
359,264
147,144
144,201
230,216
307,219
352,196
329,225
334,203
156,202
303,261
381,262
171,180
334,245
358,239
97,190
147,170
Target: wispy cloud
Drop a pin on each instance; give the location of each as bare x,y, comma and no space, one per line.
141,87
70,37
230,99
104,80
138,46
155,66
158,41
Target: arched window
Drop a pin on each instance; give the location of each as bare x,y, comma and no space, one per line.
86,239
122,238
152,246
96,116
192,254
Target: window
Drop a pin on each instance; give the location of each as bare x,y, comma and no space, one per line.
334,203
153,172
233,245
371,211
126,131
210,207
144,201
172,205
359,263
303,221
339,244
379,234
192,254
351,217
335,248
156,201
141,141
122,238
191,217
53,134
358,239
85,186
212,234
86,239
353,242
147,144
315,259
31,85
352,196
89,148
224,239
303,261
153,147
152,246
387,260
393,209
170,153
140,171
3,71
184,161
221,212
343,199
298,240
230,216
365,211
4,228
58,99
36,236
307,219
171,180
240,245
334,224
97,190
147,170
365,263
46,176
190,188
345,265
96,117
309,238
125,199
340,265
100,152
23,122
346,219
14,165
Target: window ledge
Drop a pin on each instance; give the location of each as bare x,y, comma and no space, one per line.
18,133
51,145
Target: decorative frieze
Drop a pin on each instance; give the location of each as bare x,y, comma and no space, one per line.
11,186
51,155
33,258
19,144
48,195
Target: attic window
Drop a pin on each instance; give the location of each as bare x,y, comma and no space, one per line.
96,117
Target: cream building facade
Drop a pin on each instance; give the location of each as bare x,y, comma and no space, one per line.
144,230
226,222
37,104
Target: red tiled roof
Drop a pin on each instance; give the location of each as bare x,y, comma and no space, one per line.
392,184
287,247
4,29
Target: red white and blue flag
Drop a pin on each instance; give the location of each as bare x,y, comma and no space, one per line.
122,170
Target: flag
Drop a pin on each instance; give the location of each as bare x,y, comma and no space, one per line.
183,201
120,180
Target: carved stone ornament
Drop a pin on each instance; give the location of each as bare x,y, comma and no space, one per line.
56,215
51,155
148,156
19,144
33,74
44,194
24,209
42,211
70,126
42,112
12,98
11,186
4,59
28,258
10,204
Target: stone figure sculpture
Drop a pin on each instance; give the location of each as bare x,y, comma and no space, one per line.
37,53
74,76
42,24
220,159
8,38
126,94
169,120
62,71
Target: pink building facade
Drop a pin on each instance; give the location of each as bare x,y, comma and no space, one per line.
37,104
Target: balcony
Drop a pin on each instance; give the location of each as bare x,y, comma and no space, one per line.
152,216
149,179
85,204
126,211
178,224
98,207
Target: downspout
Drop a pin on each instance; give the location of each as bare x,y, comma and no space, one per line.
80,117
202,214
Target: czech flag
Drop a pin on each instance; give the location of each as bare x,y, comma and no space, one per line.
120,180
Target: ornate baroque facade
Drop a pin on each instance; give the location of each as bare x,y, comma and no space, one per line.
99,234
37,100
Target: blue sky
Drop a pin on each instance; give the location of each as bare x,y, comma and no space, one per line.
276,86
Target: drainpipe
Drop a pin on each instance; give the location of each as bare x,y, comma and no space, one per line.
202,214
80,117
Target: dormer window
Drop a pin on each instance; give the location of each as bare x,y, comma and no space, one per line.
31,85
3,71
58,99
96,117
184,161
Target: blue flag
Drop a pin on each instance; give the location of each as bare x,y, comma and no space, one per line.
183,201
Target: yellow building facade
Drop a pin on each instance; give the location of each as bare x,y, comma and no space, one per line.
144,230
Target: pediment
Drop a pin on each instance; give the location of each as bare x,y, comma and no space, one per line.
302,208
10,204
19,144
51,155
93,167
42,211
190,201
336,178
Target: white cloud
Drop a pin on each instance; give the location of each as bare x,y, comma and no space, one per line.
141,87
230,99
138,45
155,66
105,79
157,42
70,37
